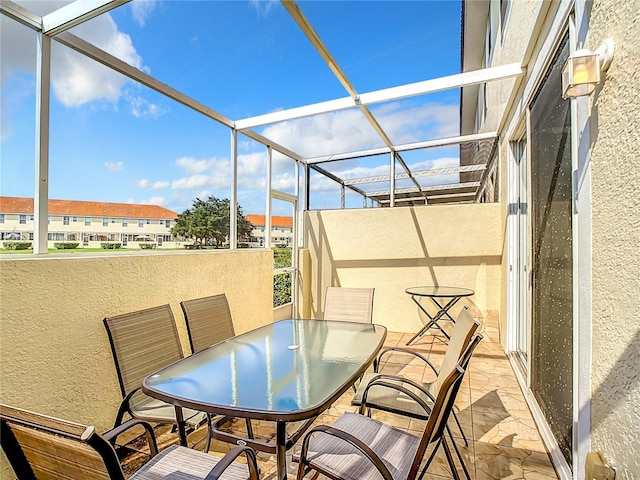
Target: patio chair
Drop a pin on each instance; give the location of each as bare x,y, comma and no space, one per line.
143,342
349,304
209,322
459,350
39,446
357,447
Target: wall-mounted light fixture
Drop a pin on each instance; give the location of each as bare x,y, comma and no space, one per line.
581,72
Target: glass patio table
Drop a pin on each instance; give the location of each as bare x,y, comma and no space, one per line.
287,371
444,298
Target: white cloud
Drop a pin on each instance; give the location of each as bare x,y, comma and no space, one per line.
192,182
145,183
141,9
195,166
141,107
215,173
342,131
75,79
151,201
114,166
349,130
263,7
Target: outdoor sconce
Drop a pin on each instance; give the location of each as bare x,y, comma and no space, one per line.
581,72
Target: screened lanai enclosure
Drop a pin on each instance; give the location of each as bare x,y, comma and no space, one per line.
359,142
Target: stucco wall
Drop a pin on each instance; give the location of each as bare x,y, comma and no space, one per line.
395,248
615,170
55,354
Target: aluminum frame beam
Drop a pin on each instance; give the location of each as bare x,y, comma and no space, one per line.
424,87
421,173
448,186
75,13
21,15
442,142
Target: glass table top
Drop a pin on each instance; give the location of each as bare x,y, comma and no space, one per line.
439,291
286,370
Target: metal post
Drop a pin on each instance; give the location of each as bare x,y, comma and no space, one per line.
392,181
267,215
41,198
233,203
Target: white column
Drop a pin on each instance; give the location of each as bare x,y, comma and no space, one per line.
41,195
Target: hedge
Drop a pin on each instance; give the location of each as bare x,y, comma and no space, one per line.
110,245
17,245
66,245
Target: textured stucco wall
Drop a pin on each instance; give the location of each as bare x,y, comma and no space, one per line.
395,248
54,351
615,170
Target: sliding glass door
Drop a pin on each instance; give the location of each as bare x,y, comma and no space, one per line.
552,261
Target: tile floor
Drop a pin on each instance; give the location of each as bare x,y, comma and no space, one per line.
504,442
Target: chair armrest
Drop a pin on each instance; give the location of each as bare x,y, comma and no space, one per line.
397,378
112,434
348,438
380,382
230,457
376,362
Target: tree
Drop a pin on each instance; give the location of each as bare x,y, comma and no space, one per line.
207,222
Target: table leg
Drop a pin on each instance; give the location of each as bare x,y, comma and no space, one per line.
182,433
281,450
433,320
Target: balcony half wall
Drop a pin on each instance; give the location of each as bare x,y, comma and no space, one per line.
55,353
392,249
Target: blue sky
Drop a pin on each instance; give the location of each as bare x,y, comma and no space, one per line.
118,141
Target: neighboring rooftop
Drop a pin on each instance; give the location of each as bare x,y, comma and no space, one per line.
21,205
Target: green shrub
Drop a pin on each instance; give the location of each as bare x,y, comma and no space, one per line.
110,245
17,245
147,245
66,245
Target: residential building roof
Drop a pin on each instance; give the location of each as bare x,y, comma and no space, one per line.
276,221
87,209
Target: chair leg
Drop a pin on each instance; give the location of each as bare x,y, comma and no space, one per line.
249,429
457,450
452,464
464,437
207,445
433,454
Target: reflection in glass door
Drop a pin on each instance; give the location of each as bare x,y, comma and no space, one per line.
522,257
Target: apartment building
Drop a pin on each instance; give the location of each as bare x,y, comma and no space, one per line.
89,223
281,230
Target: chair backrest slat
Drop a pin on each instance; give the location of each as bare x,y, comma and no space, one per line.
442,407
208,321
349,304
142,343
55,449
463,331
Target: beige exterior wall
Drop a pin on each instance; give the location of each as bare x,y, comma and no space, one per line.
614,219
615,174
392,249
55,354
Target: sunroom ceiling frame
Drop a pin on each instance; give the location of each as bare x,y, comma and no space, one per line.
56,24
75,13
